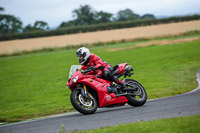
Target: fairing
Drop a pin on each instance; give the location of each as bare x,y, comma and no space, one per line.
121,67
99,85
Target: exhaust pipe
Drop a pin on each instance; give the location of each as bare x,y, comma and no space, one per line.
130,89
123,94
126,93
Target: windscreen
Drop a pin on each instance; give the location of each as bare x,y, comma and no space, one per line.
73,69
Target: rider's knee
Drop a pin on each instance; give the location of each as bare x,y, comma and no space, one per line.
108,75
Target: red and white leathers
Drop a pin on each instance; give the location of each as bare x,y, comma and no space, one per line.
96,61
103,68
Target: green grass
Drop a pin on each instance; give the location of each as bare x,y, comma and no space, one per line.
189,124
34,85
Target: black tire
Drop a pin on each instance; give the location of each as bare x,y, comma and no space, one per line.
79,103
139,97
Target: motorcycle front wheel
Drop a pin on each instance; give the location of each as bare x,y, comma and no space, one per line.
136,98
81,104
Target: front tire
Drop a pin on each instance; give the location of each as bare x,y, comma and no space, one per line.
82,105
139,97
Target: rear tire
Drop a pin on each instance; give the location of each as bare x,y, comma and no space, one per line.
139,97
82,105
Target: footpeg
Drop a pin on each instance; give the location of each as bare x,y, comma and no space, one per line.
109,89
112,90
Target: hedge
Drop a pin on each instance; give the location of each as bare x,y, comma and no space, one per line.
97,27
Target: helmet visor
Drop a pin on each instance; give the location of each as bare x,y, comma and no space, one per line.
80,57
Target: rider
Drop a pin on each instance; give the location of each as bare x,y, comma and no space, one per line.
87,59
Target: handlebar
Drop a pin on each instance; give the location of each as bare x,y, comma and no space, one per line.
85,71
89,69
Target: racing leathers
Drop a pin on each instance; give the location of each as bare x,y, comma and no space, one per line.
103,69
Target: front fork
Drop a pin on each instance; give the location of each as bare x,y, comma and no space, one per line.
84,92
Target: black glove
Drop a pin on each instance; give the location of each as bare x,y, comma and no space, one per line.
93,68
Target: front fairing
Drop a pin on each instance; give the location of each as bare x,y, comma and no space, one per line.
73,73
71,81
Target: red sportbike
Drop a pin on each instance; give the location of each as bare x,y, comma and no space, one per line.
90,92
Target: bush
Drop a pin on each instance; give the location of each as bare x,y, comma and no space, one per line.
96,27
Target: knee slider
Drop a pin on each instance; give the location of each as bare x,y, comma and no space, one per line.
105,74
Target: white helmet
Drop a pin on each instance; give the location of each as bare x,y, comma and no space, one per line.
83,54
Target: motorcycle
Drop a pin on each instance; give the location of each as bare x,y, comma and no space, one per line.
88,92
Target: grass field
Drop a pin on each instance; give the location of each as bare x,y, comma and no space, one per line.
34,85
173,125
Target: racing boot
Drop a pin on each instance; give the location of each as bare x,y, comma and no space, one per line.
112,89
122,83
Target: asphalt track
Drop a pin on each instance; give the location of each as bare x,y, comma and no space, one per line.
174,106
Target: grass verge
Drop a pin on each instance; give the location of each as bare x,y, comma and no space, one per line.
188,124
34,85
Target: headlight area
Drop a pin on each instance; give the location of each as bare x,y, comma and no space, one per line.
75,79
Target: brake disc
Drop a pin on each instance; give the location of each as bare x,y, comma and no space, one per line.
84,102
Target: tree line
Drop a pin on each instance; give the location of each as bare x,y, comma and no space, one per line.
84,15
11,24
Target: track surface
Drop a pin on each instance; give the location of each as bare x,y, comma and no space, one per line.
179,105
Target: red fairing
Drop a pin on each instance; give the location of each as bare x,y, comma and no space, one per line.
121,67
100,86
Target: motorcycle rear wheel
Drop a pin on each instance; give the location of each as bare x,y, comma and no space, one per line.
84,106
139,97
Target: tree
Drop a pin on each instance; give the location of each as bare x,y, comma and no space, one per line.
41,25
126,14
84,15
68,24
1,9
9,23
38,25
28,28
102,17
148,16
